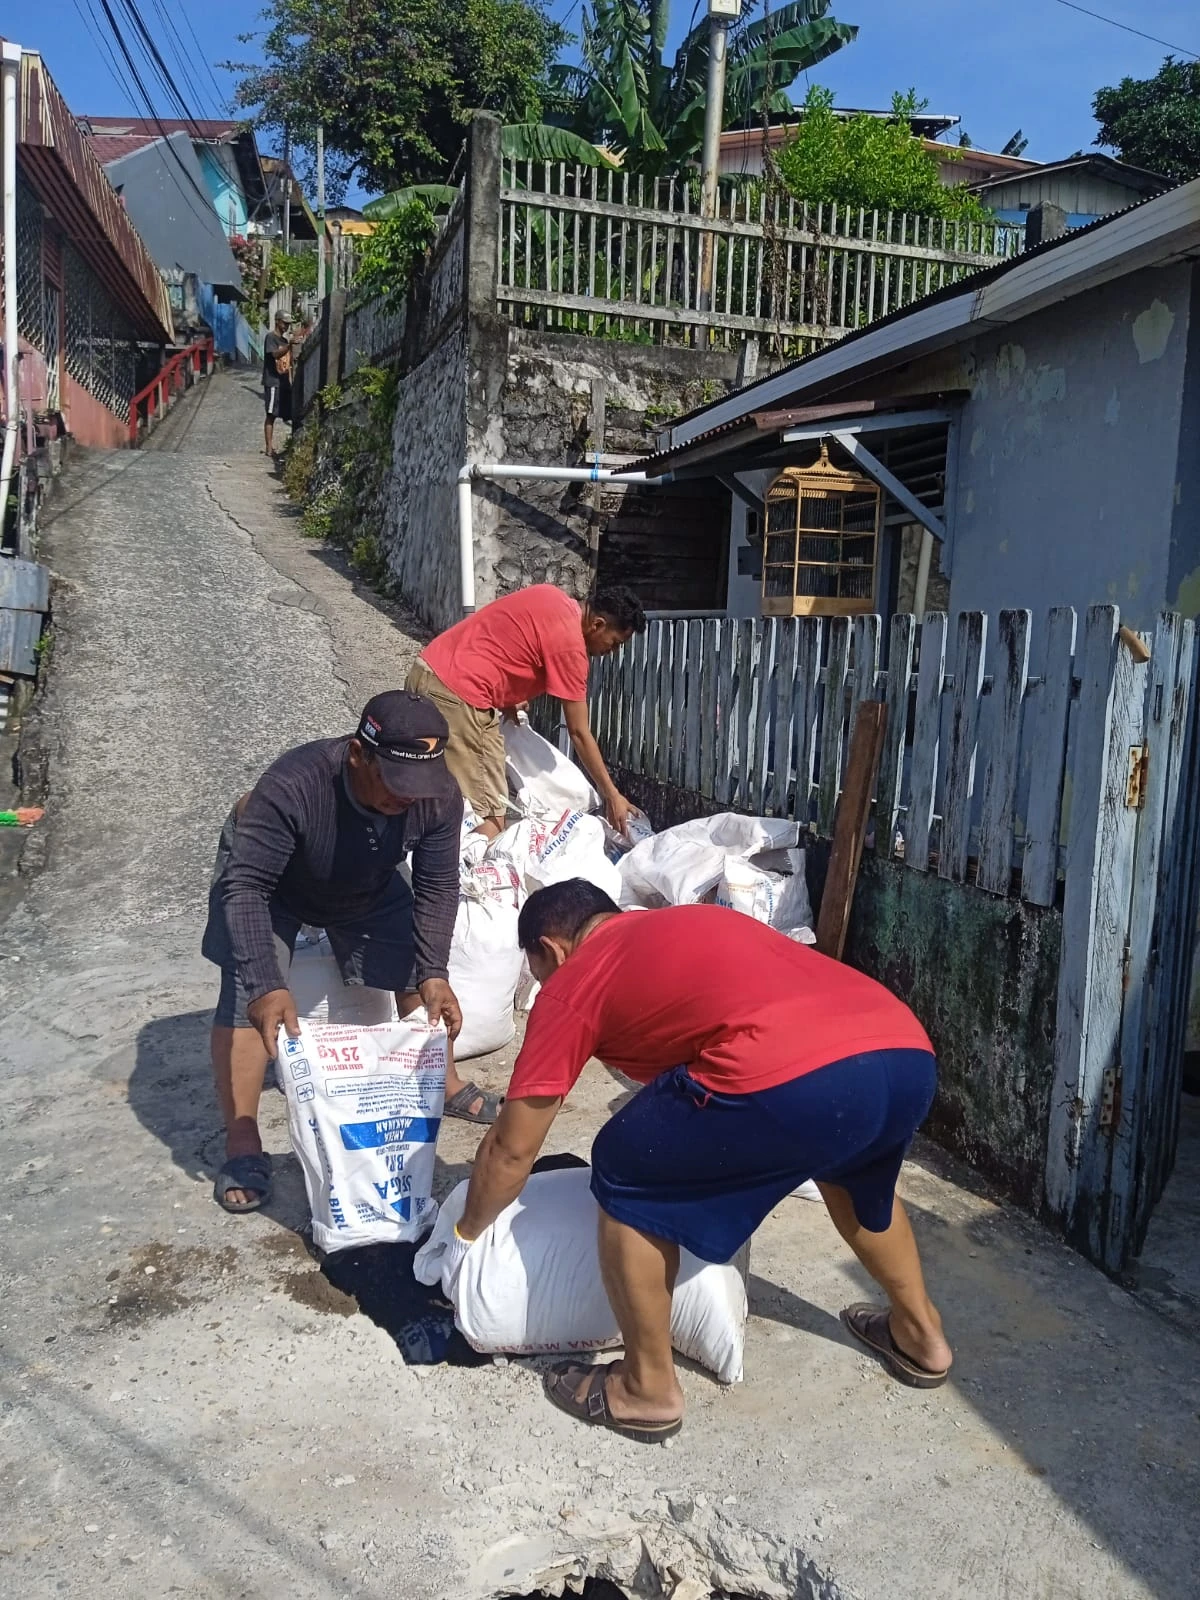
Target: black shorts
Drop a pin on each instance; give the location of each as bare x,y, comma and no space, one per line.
374,950
277,393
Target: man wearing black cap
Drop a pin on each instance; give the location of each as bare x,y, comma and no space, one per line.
318,840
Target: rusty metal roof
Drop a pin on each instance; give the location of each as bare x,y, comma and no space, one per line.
55,158
762,428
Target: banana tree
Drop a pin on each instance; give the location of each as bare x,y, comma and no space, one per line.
624,93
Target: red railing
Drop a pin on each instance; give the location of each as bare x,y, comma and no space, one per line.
157,395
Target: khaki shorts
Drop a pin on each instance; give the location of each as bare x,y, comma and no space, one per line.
475,750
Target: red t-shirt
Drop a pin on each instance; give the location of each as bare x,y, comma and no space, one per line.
522,646
741,1006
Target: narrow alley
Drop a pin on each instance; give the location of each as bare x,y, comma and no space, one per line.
189,1406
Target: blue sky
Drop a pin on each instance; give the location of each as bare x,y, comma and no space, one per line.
998,64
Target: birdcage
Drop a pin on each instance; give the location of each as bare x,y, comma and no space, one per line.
821,542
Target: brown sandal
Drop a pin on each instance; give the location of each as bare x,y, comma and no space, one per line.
561,1383
870,1326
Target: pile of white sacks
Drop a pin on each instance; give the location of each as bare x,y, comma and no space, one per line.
751,864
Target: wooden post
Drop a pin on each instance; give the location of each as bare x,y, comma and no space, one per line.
850,829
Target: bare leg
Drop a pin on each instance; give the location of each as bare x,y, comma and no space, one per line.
268,435
239,1060
639,1274
407,1002
893,1261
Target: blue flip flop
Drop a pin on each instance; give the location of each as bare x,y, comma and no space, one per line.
244,1172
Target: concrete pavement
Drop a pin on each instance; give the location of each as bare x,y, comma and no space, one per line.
189,1407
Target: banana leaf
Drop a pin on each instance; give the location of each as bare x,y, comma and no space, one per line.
538,141
437,196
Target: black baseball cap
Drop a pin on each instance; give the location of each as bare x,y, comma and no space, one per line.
408,733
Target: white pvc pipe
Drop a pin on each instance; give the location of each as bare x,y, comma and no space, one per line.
471,470
10,64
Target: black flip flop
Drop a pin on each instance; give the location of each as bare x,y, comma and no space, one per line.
561,1383
869,1325
459,1105
244,1172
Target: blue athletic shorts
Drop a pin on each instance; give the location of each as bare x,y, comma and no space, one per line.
704,1169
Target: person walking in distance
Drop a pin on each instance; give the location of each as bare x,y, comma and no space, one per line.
277,381
491,664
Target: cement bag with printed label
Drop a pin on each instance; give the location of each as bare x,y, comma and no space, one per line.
681,865
485,958
571,845
776,898
364,1107
321,996
545,782
531,1284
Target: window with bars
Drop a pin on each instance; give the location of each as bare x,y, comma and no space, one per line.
821,547
101,351
30,310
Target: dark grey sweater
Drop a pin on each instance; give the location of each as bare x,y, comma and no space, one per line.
304,845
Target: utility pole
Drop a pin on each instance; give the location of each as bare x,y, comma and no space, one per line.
287,190
720,14
320,212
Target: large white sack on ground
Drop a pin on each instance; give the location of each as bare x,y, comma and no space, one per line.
531,1284
571,845
545,781
485,958
364,1106
776,898
680,865
320,995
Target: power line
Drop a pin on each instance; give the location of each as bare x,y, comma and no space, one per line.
122,45
1125,28
100,40
220,93
180,55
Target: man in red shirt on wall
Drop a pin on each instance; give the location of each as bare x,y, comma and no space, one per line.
534,642
765,1064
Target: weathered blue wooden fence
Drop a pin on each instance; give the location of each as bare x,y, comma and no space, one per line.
1074,787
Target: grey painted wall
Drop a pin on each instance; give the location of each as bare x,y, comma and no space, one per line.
1068,452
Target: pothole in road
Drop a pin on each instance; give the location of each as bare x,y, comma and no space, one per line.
601,1589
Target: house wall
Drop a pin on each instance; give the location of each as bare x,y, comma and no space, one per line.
222,181
89,422
1067,464
1080,194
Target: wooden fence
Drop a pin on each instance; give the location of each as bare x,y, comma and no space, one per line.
594,251
1074,787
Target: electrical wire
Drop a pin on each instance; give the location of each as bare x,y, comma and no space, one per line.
222,99
1125,28
180,56
207,212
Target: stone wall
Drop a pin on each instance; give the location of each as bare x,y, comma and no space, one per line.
473,388
555,400
419,532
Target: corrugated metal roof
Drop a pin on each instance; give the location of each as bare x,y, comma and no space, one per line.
759,424
108,147
56,159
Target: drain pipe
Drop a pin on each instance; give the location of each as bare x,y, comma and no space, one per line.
472,471
10,64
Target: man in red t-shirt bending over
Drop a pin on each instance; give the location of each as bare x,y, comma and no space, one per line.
765,1064
534,642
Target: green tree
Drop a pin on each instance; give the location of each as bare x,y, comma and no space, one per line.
1154,122
625,95
394,82
873,162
